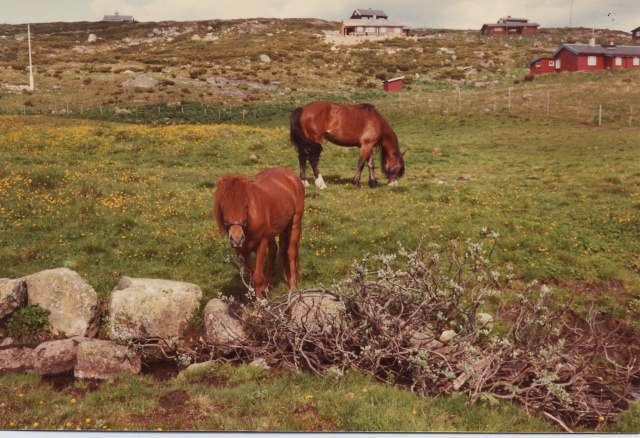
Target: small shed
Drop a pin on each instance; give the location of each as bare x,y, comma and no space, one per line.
635,33
394,84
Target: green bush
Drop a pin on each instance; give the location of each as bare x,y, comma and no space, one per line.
26,325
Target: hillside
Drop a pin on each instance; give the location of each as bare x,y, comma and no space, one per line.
88,64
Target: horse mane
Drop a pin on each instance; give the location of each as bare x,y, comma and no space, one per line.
232,194
367,106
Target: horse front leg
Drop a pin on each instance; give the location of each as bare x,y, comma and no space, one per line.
315,165
303,170
365,154
258,273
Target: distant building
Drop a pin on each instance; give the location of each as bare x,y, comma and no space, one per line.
118,18
372,22
510,26
394,84
585,57
635,33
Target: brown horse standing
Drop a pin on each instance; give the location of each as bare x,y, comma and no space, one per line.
345,125
252,213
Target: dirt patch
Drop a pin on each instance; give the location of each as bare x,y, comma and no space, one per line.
175,399
311,420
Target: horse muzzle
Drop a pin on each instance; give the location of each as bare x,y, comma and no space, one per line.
392,183
236,239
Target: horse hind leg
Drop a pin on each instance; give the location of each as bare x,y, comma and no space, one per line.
373,182
317,175
303,170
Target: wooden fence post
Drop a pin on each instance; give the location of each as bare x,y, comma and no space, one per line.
600,116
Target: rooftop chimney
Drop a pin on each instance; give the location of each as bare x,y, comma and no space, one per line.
592,42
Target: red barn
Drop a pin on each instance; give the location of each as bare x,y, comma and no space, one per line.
394,84
586,57
510,26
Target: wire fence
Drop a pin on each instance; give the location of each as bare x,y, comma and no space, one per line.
615,106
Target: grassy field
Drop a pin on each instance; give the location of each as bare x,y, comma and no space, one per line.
108,199
131,194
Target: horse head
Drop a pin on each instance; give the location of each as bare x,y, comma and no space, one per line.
231,208
394,168
235,231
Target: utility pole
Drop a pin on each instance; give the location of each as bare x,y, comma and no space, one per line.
571,15
30,64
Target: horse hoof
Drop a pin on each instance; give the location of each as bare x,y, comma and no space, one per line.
305,183
373,183
393,183
320,183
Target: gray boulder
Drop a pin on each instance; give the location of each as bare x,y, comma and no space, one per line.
222,325
56,357
144,308
13,295
319,313
98,359
141,81
16,360
73,303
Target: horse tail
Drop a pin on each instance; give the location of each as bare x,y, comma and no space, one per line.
307,149
285,240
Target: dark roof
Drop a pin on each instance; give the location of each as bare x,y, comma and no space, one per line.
118,17
586,49
540,59
511,24
509,18
368,13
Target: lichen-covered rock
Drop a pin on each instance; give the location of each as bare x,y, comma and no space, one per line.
222,325
144,308
98,359
424,340
16,360
484,321
72,302
13,295
318,313
55,357
141,81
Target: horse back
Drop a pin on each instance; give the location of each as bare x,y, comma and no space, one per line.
276,194
342,124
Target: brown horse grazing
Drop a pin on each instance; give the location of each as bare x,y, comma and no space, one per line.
252,213
345,125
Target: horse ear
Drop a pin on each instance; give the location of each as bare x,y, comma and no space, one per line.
402,154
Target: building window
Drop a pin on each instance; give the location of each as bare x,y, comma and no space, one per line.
558,63
537,64
552,64
592,60
636,61
618,61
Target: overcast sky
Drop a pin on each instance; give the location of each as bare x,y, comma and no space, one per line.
451,14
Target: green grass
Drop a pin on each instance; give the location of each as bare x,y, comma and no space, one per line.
245,398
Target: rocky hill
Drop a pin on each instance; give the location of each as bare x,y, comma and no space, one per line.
90,64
